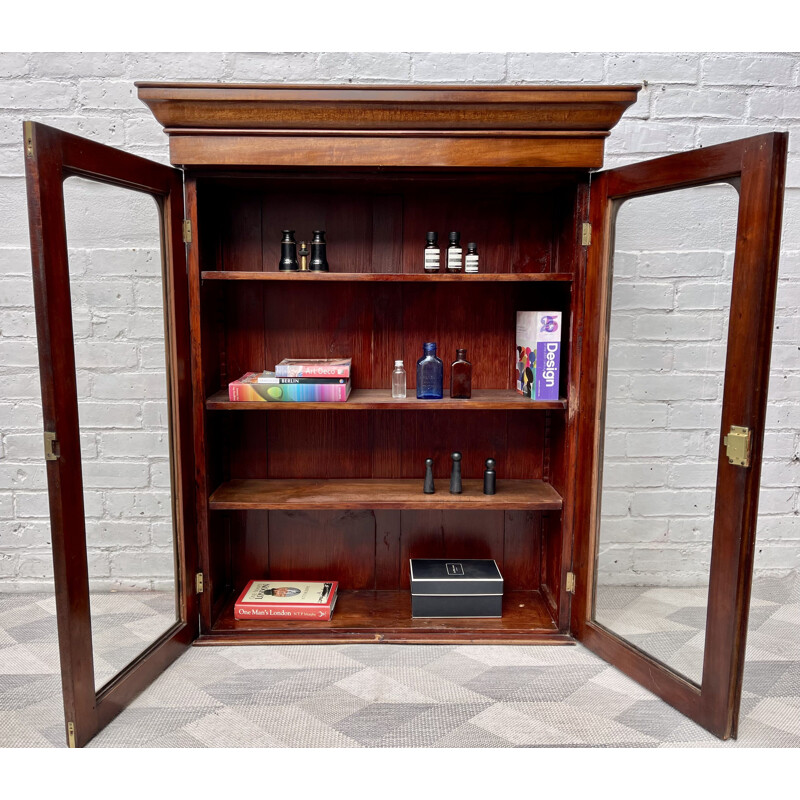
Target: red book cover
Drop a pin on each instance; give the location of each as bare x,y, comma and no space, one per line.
287,600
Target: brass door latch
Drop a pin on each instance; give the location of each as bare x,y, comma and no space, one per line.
737,444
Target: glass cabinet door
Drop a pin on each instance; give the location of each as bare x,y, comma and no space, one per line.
112,321
680,300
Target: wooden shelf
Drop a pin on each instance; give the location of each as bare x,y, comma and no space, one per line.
379,616
387,277
381,399
378,493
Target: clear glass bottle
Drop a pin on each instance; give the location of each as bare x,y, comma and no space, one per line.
398,381
461,377
454,252
431,252
471,258
430,374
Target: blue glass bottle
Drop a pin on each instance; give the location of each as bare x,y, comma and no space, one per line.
430,374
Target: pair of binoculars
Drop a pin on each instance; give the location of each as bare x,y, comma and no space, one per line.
289,254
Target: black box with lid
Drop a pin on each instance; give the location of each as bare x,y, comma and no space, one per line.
468,587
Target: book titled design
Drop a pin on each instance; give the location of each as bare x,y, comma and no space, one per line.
538,354
287,600
251,388
313,367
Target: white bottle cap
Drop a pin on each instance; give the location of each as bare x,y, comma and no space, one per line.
398,363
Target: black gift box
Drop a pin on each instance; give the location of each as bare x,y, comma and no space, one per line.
470,587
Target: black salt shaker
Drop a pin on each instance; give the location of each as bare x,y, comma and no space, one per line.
489,478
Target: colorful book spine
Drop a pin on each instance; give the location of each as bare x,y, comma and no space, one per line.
538,354
247,389
315,380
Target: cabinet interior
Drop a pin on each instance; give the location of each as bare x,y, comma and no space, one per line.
375,306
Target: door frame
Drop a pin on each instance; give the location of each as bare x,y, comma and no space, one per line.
757,167
51,156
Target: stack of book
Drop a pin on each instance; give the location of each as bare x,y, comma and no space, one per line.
287,600
296,380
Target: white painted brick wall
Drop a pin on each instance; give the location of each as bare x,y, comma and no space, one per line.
689,100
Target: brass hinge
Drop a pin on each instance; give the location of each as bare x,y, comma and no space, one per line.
198,582
737,446
586,234
51,449
71,734
28,131
571,582
187,231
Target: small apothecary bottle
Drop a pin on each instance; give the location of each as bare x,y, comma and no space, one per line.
398,381
288,262
430,374
471,258
432,256
461,377
454,252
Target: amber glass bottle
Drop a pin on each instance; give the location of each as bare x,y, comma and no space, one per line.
461,377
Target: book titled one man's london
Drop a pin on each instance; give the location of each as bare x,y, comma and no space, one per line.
267,599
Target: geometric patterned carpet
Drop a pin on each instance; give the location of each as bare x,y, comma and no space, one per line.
668,622
391,695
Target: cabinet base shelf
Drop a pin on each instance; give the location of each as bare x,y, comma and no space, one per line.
385,616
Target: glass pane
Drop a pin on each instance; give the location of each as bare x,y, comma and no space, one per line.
116,282
670,300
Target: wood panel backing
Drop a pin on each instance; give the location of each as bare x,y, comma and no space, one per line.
372,229
375,226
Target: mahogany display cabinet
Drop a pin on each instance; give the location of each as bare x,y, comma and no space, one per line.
334,491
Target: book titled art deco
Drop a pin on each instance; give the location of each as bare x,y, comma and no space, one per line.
311,367
267,599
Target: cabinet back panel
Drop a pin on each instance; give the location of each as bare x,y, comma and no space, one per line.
524,224
374,324
377,444
371,550
373,225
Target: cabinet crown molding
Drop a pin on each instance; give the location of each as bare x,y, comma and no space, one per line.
473,126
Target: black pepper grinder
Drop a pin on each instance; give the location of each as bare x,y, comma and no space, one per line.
319,261
288,261
427,486
455,474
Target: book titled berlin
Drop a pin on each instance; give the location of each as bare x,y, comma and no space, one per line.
313,367
287,600
255,387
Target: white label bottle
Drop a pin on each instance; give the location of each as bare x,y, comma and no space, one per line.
432,256
471,258
454,252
